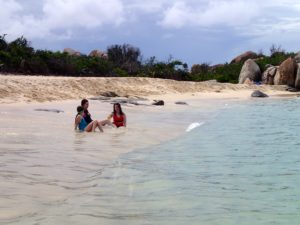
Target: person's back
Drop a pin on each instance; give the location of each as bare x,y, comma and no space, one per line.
79,120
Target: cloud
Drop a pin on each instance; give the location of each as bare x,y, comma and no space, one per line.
210,13
62,21
59,18
82,13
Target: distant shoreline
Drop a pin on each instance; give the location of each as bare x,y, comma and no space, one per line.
27,89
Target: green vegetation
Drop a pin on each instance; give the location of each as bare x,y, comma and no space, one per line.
121,61
221,73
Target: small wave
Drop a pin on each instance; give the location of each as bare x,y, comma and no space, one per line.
192,126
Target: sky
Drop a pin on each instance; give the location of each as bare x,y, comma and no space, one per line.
193,31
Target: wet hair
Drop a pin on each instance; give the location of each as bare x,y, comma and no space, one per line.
119,105
83,101
79,109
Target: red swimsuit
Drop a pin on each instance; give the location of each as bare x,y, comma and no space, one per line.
118,120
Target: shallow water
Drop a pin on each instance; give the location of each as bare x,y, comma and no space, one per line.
240,167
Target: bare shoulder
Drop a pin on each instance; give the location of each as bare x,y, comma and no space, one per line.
78,118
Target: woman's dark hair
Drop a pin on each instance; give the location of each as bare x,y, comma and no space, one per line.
79,109
83,101
115,112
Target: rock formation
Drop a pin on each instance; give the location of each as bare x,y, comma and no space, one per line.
297,81
250,70
297,57
243,57
72,52
269,74
286,72
98,53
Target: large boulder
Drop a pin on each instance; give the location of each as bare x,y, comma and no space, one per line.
243,57
250,70
98,53
297,57
72,52
297,81
286,72
269,74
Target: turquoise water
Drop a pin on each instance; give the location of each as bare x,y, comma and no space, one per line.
240,167
243,167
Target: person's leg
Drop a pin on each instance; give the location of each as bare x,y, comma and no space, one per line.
89,127
100,126
95,125
106,122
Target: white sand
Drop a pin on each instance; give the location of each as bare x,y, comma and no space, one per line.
18,89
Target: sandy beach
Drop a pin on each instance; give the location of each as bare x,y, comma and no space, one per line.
18,89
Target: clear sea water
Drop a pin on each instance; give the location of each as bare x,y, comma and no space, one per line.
242,166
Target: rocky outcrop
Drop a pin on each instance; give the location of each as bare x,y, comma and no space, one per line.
158,102
286,72
250,70
72,52
259,94
243,57
297,57
269,74
297,81
98,53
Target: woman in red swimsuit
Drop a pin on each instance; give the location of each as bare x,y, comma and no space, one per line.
119,118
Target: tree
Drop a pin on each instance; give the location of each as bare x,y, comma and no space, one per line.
3,43
125,57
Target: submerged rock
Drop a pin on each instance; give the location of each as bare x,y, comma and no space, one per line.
259,94
50,110
180,103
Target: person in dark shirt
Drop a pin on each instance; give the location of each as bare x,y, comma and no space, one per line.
86,114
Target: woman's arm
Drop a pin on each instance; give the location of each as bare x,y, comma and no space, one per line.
110,116
125,120
77,121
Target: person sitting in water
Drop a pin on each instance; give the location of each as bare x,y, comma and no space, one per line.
81,123
119,118
86,114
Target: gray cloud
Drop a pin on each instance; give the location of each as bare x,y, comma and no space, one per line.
243,23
